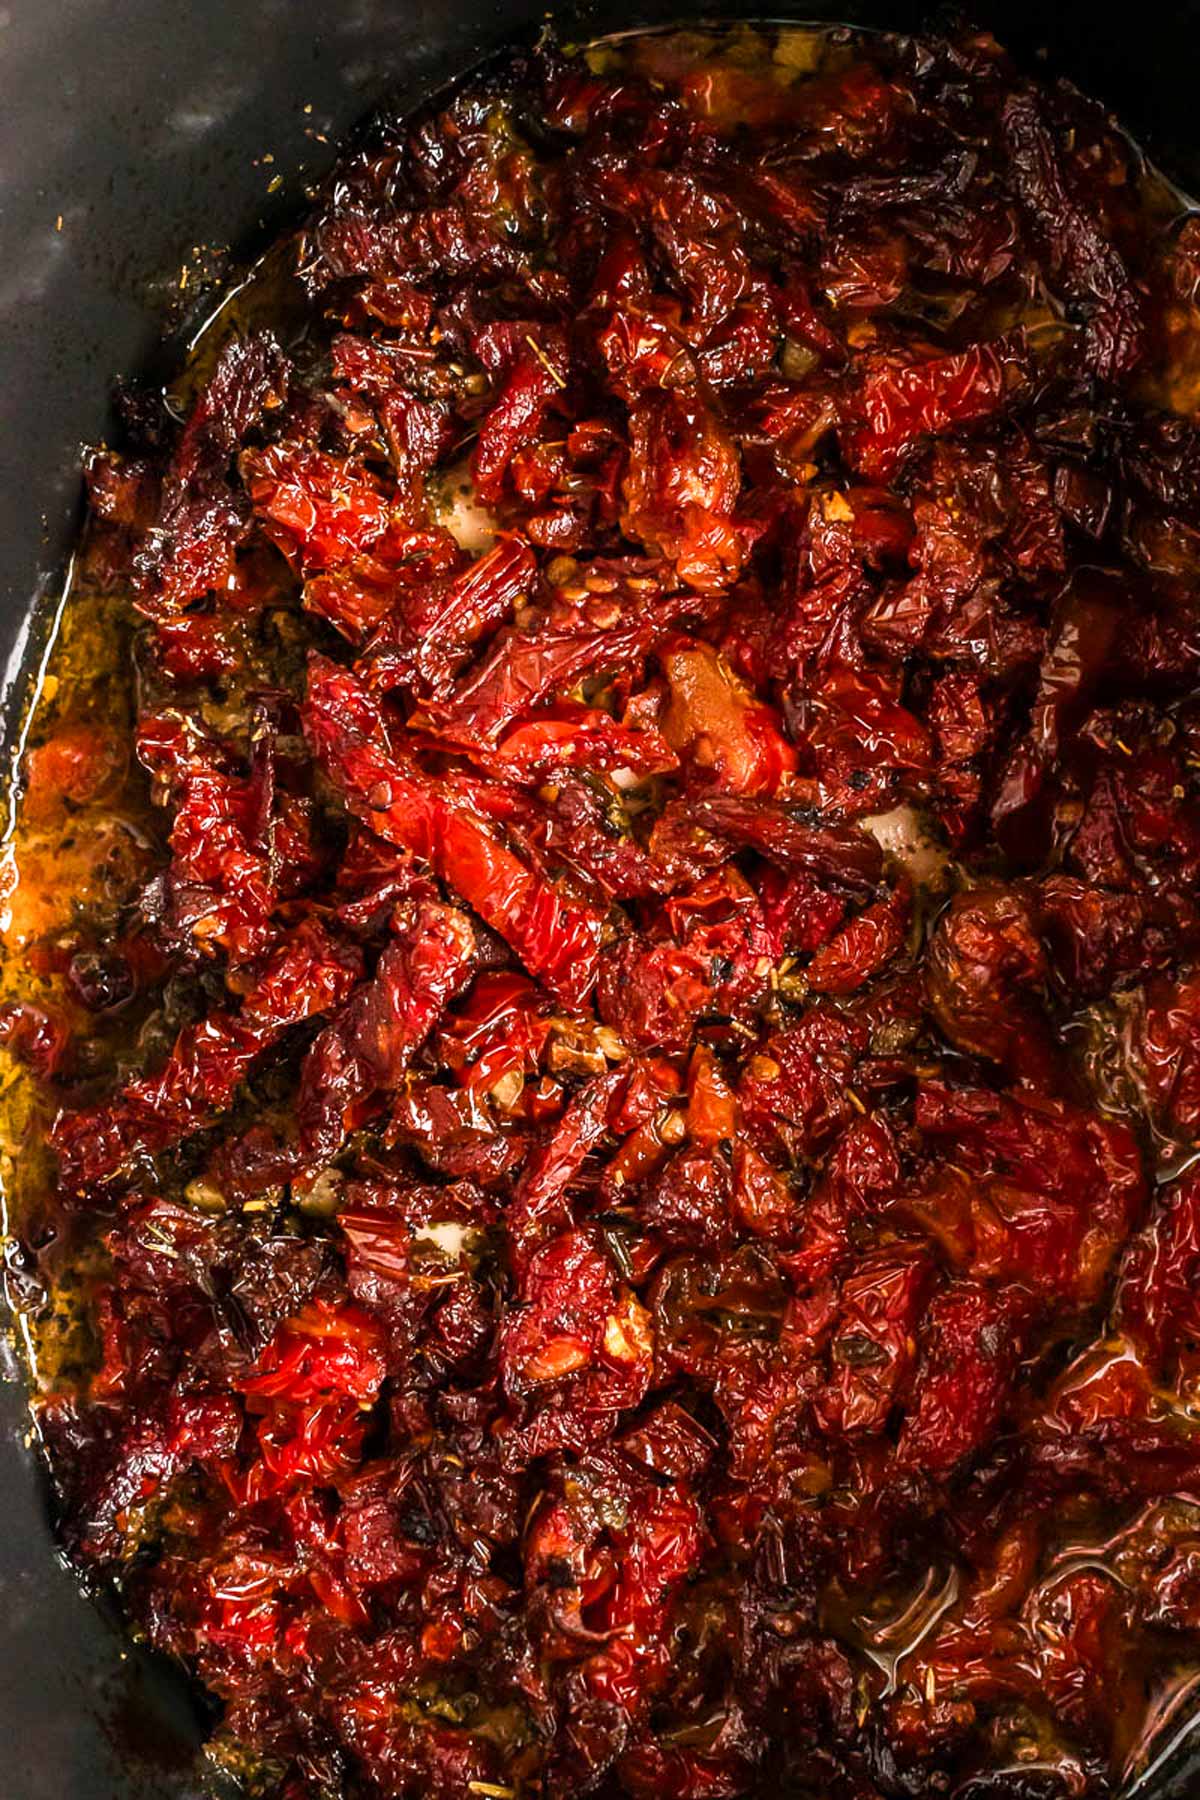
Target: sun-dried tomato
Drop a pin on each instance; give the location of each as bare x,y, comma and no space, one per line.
626,1058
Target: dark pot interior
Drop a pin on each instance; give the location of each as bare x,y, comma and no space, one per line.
132,131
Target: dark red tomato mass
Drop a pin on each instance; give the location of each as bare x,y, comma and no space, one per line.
638,1235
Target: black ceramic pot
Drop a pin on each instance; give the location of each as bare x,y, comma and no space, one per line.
132,131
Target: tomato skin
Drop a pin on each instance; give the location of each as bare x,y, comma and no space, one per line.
617,1044
79,765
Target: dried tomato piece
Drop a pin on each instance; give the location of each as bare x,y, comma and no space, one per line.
35,1037
1162,1053
1053,1190
900,404
793,1092
189,550
79,765
556,937
681,488
864,946
723,737
1154,1303
971,1344
1079,252
518,411
322,509
986,967
366,1048
307,973
873,1347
